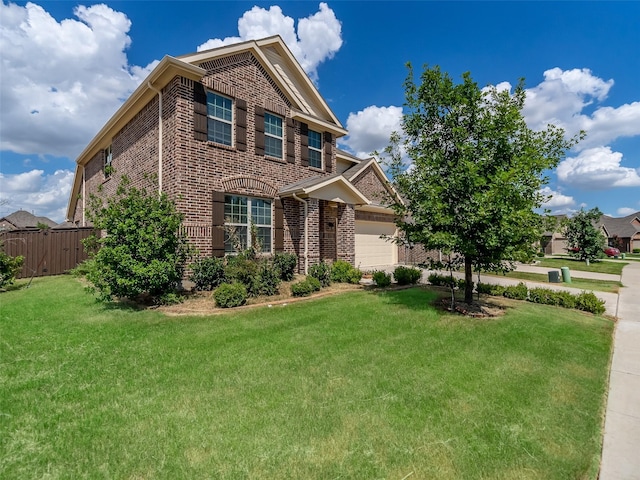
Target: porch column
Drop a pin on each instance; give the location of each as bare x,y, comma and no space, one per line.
313,227
346,234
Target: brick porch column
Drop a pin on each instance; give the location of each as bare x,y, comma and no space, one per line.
346,240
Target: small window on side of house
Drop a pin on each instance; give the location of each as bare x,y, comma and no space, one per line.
219,119
108,159
315,149
273,135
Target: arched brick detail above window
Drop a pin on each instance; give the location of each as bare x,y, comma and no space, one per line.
249,185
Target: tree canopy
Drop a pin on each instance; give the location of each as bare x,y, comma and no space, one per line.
476,170
584,239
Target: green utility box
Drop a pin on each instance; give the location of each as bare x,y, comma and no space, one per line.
554,276
566,275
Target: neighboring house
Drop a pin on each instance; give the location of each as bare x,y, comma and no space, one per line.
553,240
23,220
623,233
240,136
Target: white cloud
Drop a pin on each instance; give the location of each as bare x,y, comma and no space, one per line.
61,80
597,168
318,36
556,200
624,211
36,192
370,129
563,96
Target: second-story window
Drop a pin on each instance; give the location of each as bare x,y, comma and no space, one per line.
108,159
272,135
219,119
315,149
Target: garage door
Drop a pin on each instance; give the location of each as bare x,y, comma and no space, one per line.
371,250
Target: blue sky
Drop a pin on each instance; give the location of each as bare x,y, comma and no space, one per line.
67,66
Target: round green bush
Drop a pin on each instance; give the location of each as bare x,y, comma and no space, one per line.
407,275
321,271
382,279
229,295
306,287
207,273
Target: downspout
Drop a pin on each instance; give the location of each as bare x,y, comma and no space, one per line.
306,232
84,224
159,135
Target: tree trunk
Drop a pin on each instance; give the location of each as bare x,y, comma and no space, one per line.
468,281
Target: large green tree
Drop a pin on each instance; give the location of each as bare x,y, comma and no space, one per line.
476,170
584,239
142,249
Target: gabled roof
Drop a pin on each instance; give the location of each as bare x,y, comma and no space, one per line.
334,188
354,172
284,69
274,56
23,219
622,227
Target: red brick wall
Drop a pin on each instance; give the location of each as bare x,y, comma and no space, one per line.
193,169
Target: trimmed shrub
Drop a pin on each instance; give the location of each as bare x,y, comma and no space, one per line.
484,288
268,279
244,270
208,273
443,280
516,292
322,272
636,250
407,275
547,296
306,287
497,290
588,302
382,279
344,272
285,264
229,295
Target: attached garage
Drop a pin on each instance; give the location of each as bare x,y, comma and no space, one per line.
371,250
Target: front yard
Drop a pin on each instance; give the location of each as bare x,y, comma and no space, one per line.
362,384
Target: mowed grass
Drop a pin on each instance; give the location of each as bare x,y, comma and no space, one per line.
358,385
613,267
581,283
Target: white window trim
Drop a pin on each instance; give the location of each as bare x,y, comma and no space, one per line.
222,120
314,149
248,224
108,160
281,138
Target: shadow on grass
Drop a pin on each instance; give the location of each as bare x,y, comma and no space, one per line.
413,297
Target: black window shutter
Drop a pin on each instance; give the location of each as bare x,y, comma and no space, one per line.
328,151
278,223
241,125
259,130
217,232
304,144
199,112
291,141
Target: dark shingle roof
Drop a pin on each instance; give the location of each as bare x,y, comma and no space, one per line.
622,227
24,219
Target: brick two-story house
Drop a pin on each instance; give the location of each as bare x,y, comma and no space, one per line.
236,135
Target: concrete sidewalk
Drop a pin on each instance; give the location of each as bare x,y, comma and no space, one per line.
621,445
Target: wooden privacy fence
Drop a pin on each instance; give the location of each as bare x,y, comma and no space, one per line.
46,252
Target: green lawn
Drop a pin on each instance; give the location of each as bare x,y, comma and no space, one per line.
353,386
581,283
604,266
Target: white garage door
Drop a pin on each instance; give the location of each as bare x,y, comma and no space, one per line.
371,250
